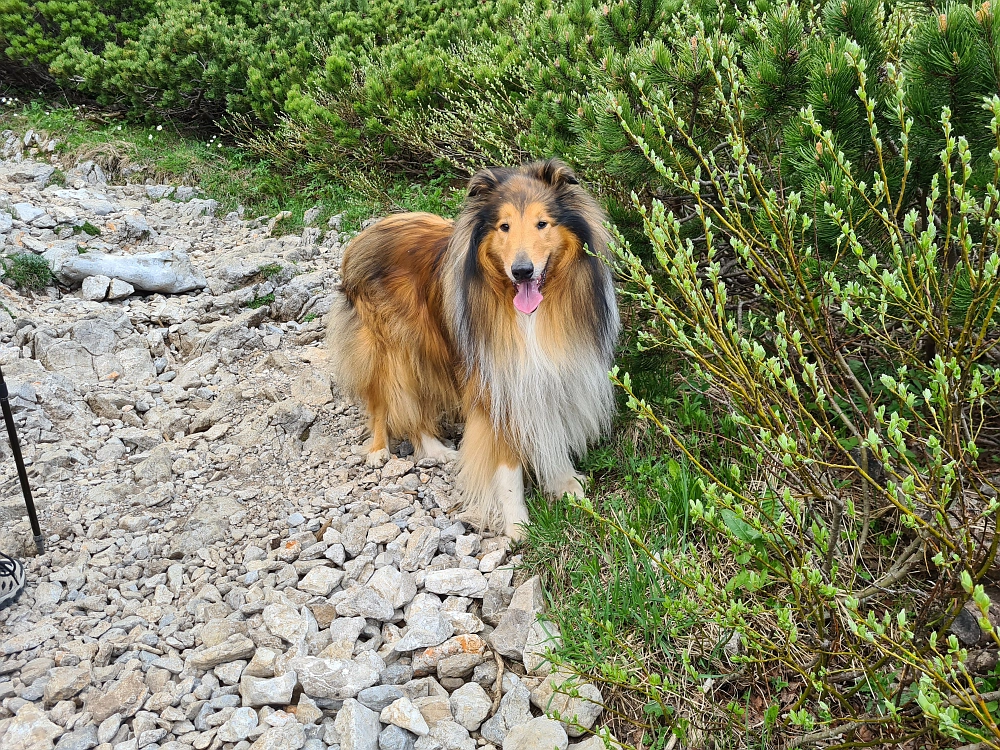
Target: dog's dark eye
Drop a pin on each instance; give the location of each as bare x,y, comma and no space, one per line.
542,224
505,227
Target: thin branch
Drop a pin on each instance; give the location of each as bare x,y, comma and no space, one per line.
897,572
823,734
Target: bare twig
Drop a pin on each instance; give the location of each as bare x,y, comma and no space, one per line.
897,571
823,734
498,684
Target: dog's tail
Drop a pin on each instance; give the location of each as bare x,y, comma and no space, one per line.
342,329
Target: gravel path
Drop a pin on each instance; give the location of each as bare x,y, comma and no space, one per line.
222,570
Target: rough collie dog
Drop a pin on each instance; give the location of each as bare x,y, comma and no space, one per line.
506,317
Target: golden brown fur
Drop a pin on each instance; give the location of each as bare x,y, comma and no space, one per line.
506,317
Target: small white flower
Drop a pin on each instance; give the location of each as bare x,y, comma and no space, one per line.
159,127
150,136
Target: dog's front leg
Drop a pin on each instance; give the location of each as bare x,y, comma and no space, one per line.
492,477
508,484
378,447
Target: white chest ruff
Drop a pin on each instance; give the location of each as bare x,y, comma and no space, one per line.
550,409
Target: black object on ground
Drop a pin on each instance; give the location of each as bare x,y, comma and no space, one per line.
22,474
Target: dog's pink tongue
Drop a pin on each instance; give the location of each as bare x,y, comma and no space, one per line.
528,297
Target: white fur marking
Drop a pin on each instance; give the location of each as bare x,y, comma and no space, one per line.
508,487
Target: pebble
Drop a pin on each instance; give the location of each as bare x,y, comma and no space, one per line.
84,738
235,648
403,714
395,587
285,622
470,705
538,734
456,582
514,710
320,581
240,725
378,697
426,626
288,736
125,697
263,691
577,704
108,728
452,736
511,634
30,728
333,678
65,683
364,602
395,738
358,726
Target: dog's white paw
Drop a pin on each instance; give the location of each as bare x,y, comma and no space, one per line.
574,484
430,447
442,456
515,531
377,459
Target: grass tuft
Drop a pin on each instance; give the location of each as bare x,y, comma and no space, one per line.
256,302
27,271
87,228
614,609
270,271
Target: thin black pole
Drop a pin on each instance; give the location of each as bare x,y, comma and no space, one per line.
22,474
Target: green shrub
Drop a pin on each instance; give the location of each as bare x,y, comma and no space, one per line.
183,62
36,33
223,60
866,389
28,271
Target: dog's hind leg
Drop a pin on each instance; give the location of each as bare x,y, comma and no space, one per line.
492,478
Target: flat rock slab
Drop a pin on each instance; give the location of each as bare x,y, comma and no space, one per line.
168,272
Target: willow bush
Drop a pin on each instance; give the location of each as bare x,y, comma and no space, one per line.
860,522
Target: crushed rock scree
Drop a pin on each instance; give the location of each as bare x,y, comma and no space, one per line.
222,570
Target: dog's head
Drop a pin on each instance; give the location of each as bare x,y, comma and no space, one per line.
528,225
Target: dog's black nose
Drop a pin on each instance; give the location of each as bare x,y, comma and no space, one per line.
522,269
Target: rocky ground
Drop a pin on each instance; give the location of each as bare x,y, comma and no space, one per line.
221,569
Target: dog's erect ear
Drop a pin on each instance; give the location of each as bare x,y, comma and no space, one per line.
483,183
556,173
